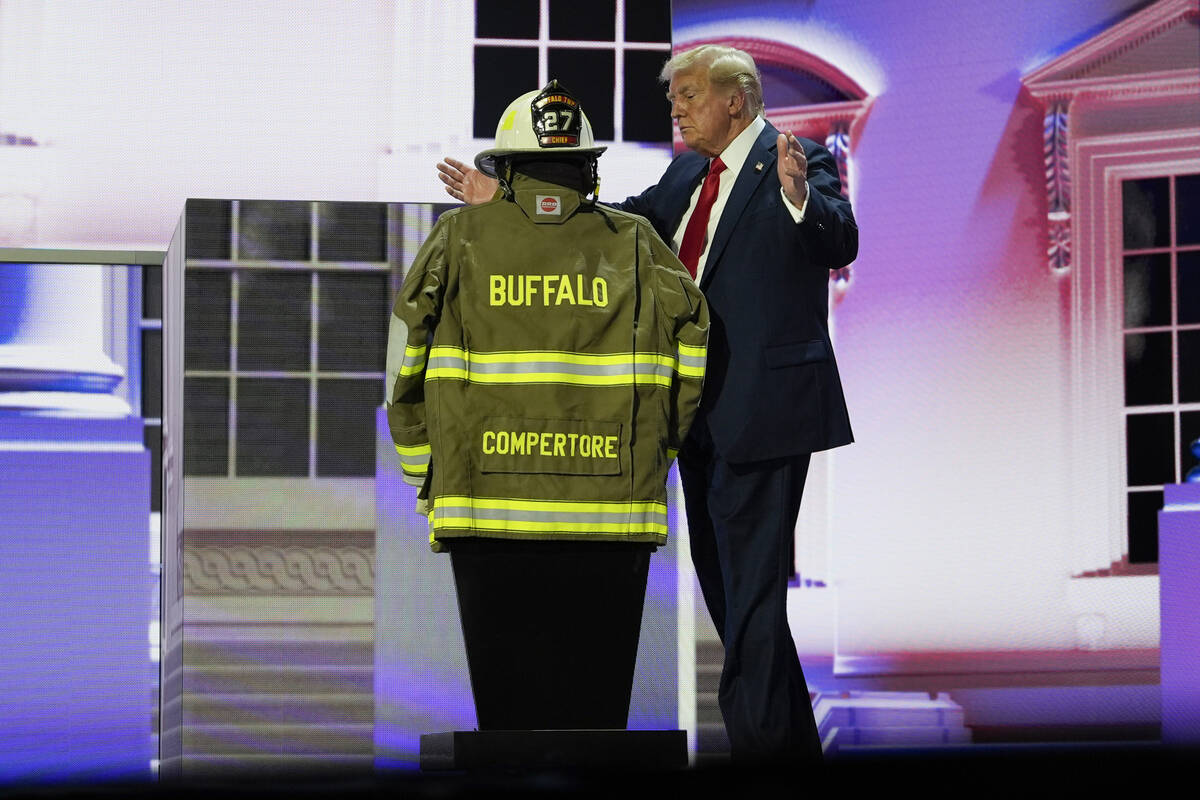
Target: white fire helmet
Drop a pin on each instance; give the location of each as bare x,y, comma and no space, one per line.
548,121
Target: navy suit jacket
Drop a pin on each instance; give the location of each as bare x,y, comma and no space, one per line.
772,387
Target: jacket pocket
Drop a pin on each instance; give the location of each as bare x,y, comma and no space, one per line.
793,353
550,446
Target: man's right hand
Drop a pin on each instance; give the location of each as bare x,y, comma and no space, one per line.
465,183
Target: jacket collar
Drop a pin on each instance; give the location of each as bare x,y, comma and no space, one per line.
544,202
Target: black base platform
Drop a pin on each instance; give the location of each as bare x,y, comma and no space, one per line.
553,750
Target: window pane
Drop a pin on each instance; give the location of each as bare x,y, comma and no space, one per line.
205,426
648,21
354,317
645,112
272,426
1188,287
501,75
206,230
594,20
1143,526
152,436
346,426
151,373
1150,449
1187,209
274,320
1189,428
151,292
1189,366
271,230
1146,212
1147,368
352,231
506,19
206,315
1148,290
590,77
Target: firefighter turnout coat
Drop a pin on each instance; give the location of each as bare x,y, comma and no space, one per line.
545,361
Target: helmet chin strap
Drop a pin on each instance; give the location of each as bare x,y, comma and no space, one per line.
595,181
504,176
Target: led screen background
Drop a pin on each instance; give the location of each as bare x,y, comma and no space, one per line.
968,531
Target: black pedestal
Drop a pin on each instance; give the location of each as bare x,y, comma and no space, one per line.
554,750
551,630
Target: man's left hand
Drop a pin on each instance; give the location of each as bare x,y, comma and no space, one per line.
793,168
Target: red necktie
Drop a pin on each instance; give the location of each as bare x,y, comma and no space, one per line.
693,237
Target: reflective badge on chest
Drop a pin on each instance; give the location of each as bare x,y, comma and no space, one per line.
548,205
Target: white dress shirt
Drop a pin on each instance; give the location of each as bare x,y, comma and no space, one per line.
734,159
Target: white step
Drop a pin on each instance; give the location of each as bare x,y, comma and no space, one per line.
279,740
911,735
198,765
886,710
278,709
266,679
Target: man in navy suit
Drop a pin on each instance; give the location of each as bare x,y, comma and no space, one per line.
758,217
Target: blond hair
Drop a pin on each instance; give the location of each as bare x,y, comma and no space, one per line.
728,67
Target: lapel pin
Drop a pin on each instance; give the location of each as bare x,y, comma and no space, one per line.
758,167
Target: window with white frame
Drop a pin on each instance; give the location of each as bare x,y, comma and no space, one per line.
607,52
1161,339
286,307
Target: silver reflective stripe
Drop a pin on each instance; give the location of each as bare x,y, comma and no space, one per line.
568,368
661,370
415,461
542,367
397,344
446,362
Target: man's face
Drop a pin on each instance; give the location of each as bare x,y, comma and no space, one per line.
702,111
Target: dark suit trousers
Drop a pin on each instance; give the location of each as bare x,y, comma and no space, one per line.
741,519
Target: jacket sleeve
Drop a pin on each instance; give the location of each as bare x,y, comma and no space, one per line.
684,312
829,226
414,316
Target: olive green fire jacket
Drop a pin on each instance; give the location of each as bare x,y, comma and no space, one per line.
545,361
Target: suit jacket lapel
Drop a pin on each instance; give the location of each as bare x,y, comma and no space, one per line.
684,199
747,181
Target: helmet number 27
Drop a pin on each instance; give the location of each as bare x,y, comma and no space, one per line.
551,120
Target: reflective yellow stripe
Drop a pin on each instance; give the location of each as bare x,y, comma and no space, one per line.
532,526
414,459
671,454
691,360
551,366
451,373
601,506
549,516
414,360
564,356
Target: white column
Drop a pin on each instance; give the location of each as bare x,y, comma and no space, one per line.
52,341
